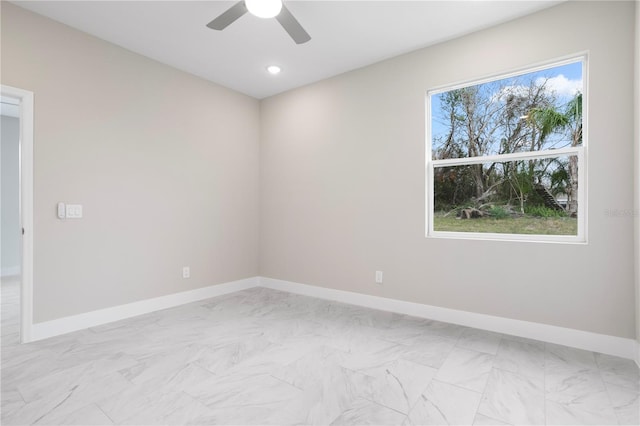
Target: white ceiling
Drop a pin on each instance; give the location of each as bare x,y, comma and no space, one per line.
345,34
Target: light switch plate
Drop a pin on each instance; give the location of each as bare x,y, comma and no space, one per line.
74,211
62,211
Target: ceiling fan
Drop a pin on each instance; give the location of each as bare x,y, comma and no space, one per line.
262,9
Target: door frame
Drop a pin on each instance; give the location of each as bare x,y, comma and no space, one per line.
25,99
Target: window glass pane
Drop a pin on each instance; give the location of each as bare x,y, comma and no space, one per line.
531,112
533,196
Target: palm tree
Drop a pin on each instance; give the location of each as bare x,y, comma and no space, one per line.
549,120
574,116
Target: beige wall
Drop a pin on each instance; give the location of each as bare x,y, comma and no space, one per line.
166,166
164,163
342,181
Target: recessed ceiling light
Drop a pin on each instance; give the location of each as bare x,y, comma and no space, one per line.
274,69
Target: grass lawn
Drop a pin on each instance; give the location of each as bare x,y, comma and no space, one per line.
510,225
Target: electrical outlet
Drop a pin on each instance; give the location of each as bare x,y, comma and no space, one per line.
378,277
186,272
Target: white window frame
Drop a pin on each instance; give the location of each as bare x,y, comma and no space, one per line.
579,151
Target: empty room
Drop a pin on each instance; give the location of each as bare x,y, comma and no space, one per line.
320,212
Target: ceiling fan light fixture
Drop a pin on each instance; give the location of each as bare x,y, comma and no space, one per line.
264,8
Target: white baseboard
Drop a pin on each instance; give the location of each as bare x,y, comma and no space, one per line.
72,323
9,271
611,345
618,346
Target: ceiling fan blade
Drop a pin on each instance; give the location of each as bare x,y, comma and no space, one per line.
292,26
229,17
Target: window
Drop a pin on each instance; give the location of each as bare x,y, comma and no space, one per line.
506,156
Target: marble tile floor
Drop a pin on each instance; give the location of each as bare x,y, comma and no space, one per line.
267,357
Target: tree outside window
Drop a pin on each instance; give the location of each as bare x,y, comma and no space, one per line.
506,157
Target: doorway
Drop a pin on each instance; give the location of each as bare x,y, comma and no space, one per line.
17,213
11,238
